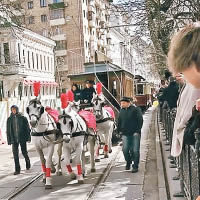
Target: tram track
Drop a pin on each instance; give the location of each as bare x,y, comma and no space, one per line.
97,186
21,189
105,174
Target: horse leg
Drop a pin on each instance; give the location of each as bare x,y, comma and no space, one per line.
43,163
48,184
83,158
106,146
59,153
92,145
110,137
79,151
96,149
67,157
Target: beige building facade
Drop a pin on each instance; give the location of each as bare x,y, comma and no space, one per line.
80,29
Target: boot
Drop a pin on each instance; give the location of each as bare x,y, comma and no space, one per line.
28,164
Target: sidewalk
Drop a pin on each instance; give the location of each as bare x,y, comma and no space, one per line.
116,183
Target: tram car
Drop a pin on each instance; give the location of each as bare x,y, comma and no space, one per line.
143,93
116,81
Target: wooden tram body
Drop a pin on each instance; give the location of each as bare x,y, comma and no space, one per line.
116,81
143,93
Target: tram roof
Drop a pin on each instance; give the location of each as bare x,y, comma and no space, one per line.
101,67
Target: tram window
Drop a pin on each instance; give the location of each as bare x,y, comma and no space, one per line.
140,89
114,88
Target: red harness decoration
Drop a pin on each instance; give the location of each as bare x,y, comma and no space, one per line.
110,110
53,113
89,119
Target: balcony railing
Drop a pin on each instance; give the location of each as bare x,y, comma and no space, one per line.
60,5
13,69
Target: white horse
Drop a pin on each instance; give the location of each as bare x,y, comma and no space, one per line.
74,129
92,139
43,136
105,123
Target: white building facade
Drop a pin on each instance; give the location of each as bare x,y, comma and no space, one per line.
25,58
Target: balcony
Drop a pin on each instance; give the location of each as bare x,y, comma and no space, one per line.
62,68
61,52
108,35
100,42
92,3
59,37
91,37
92,23
91,8
97,3
57,22
14,69
60,5
102,19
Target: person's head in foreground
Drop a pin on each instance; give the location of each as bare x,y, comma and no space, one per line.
184,53
125,102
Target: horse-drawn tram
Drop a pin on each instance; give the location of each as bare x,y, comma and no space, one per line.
116,81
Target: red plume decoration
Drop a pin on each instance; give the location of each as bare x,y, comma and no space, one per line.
99,88
70,95
36,88
64,100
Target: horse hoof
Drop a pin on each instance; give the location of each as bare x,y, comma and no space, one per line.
47,187
97,160
71,161
105,156
73,176
93,170
53,171
59,173
44,180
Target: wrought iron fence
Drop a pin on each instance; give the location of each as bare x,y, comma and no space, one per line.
188,163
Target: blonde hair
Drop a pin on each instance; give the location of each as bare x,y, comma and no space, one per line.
185,49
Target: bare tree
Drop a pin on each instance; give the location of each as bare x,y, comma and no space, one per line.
157,20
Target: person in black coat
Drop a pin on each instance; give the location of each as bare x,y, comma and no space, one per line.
87,92
130,123
76,92
18,133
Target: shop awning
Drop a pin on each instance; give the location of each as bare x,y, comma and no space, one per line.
46,83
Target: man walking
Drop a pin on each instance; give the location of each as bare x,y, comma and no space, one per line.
18,133
129,125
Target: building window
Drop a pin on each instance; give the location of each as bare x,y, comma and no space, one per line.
28,59
0,58
30,5
6,53
84,13
33,60
45,63
31,20
43,3
43,18
41,62
61,45
58,31
48,63
37,60
56,14
45,32
19,52
57,1
24,60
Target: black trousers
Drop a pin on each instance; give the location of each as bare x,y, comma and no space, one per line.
15,150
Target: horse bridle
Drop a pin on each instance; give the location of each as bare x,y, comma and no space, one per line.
64,115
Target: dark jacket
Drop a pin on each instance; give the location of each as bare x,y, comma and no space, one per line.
87,94
77,95
171,94
130,120
17,129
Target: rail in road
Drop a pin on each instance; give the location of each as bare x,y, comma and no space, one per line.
91,185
